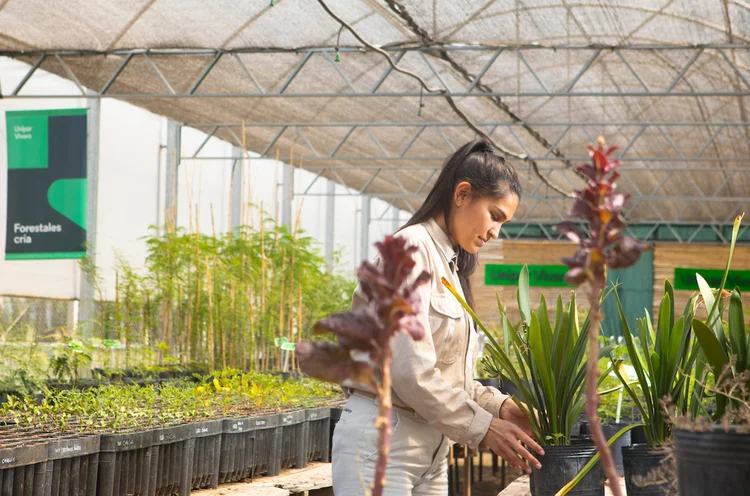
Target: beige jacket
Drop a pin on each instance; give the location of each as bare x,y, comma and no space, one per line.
434,376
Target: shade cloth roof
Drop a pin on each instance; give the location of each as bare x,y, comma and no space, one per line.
666,80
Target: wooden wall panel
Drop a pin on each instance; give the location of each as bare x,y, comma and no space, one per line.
516,252
667,256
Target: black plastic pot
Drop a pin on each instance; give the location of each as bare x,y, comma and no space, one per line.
23,469
237,450
250,446
124,464
714,462
206,447
171,460
335,416
560,464
317,432
73,466
616,447
495,383
293,439
642,462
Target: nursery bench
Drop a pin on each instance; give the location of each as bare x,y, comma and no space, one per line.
313,480
520,487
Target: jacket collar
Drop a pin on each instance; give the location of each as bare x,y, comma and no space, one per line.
443,242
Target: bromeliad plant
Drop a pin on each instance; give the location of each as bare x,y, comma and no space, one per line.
659,358
544,360
727,353
393,302
601,245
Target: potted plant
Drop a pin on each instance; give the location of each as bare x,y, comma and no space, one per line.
546,362
658,357
724,339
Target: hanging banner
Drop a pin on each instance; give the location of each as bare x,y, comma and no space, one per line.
46,184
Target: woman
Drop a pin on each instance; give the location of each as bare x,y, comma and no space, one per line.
435,399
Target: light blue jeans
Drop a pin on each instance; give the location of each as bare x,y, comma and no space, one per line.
417,465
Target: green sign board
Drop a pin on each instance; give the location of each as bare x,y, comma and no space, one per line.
684,278
46,184
539,275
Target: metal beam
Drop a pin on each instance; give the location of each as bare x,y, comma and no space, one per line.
364,237
236,198
287,195
70,59
171,182
330,223
88,287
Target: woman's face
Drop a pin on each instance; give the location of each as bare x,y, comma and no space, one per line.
476,220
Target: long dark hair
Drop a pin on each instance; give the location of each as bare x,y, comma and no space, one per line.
488,174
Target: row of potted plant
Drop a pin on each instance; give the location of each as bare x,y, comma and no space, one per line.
163,439
686,371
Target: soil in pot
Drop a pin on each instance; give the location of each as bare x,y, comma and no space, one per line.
714,462
646,470
560,464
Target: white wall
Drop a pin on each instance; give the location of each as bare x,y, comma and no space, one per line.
131,191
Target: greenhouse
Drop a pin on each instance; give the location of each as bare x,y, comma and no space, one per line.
316,247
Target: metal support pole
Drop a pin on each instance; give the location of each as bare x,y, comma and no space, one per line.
396,219
88,285
364,252
174,133
236,199
330,219
286,196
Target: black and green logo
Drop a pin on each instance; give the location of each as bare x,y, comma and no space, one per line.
46,184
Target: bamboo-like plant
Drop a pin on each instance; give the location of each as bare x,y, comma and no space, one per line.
393,302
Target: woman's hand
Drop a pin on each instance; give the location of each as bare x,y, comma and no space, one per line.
512,413
506,439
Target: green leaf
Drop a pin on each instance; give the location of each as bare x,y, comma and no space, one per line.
666,310
524,304
715,354
737,334
634,359
542,363
735,231
586,468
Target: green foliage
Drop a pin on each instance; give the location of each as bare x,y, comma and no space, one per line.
546,361
659,357
725,341
118,407
220,300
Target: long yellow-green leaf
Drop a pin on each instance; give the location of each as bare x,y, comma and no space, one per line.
586,468
715,354
466,307
669,290
634,358
524,305
737,334
626,385
735,231
506,327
